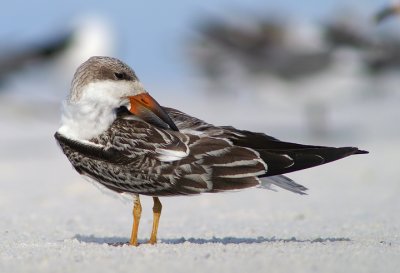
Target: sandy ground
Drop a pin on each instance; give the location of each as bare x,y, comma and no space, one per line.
54,221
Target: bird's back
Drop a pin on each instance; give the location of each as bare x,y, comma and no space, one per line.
135,156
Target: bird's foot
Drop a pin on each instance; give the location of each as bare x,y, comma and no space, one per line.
133,243
153,241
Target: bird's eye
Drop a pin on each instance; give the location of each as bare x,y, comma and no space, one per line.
119,76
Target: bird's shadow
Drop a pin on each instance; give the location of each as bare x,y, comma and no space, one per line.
120,241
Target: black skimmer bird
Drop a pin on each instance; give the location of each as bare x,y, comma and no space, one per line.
115,133
264,46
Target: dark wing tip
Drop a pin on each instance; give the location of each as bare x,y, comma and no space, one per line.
359,152
348,151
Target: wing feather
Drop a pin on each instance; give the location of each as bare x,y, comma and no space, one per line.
136,156
280,156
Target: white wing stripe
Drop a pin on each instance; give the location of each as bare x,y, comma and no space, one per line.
171,155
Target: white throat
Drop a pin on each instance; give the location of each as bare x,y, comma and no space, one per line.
84,121
94,112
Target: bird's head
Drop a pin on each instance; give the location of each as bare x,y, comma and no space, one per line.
108,83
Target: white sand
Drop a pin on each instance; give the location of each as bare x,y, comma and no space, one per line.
54,221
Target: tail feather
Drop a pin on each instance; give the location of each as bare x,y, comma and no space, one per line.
285,157
305,158
283,182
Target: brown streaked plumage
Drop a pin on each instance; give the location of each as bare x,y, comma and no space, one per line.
158,151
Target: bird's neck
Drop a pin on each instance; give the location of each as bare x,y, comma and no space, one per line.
84,120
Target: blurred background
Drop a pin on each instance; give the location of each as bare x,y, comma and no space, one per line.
314,72
315,69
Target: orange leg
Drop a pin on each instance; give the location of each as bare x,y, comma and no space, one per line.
156,218
137,211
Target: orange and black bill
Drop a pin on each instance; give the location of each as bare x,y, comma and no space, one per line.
148,109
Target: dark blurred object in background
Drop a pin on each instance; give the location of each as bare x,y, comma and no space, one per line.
387,55
263,46
387,12
43,68
18,57
290,50
318,66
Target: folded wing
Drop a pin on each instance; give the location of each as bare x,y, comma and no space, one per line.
137,156
281,157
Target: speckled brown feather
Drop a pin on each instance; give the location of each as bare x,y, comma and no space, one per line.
125,159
